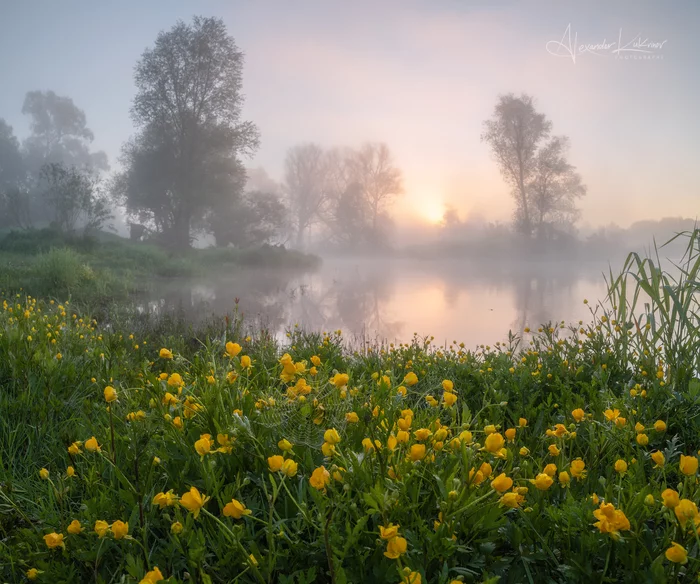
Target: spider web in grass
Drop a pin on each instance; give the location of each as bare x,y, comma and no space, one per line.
294,420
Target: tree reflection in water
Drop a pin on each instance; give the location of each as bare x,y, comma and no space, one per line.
381,300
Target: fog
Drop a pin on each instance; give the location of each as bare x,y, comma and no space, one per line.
461,169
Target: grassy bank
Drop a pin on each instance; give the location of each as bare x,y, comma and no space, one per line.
225,457
100,270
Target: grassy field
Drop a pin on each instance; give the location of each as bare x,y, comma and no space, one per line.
571,456
97,271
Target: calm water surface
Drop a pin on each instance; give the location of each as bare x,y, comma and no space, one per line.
392,300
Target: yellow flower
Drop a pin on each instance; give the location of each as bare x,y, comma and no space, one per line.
153,577
511,500
176,528
120,529
611,415
677,554
395,547
74,528
611,520
165,499
110,394
327,449
449,399
32,574
522,422
175,380
494,442
489,429
54,540
501,483
352,417
422,434
165,353
316,360
246,363
70,471
417,452
660,426
524,451
204,444
685,510
670,498
410,379
320,478
564,478
550,469
91,445
331,436
101,528
389,531
177,422
578,469
74,449
275,462
510,434
340,380
236,509
553,450
44,474
289,467
642,439
233,349
193,501
688,465
578,414
542,481
659,458
620,466
447,385
284,445
649,500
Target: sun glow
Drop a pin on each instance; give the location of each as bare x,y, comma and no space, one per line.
433,213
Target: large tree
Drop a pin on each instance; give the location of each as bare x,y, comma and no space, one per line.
185,162
59,133
12,177
514,133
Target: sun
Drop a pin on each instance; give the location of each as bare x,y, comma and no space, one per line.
433,213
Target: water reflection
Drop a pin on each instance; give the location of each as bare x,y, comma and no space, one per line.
454,301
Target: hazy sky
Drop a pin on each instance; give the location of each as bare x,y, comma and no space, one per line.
419,75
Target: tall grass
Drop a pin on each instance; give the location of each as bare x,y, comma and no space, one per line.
663,306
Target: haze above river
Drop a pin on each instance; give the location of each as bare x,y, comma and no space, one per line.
391,300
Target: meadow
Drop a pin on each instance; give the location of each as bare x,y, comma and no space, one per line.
567,455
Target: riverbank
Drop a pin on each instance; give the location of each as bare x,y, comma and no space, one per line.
96,271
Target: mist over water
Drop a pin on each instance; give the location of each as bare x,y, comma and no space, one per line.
390,300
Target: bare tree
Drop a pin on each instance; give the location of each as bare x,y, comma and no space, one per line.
514,133
305,179
381,181
554,188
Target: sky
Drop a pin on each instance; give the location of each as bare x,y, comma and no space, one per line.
421,76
